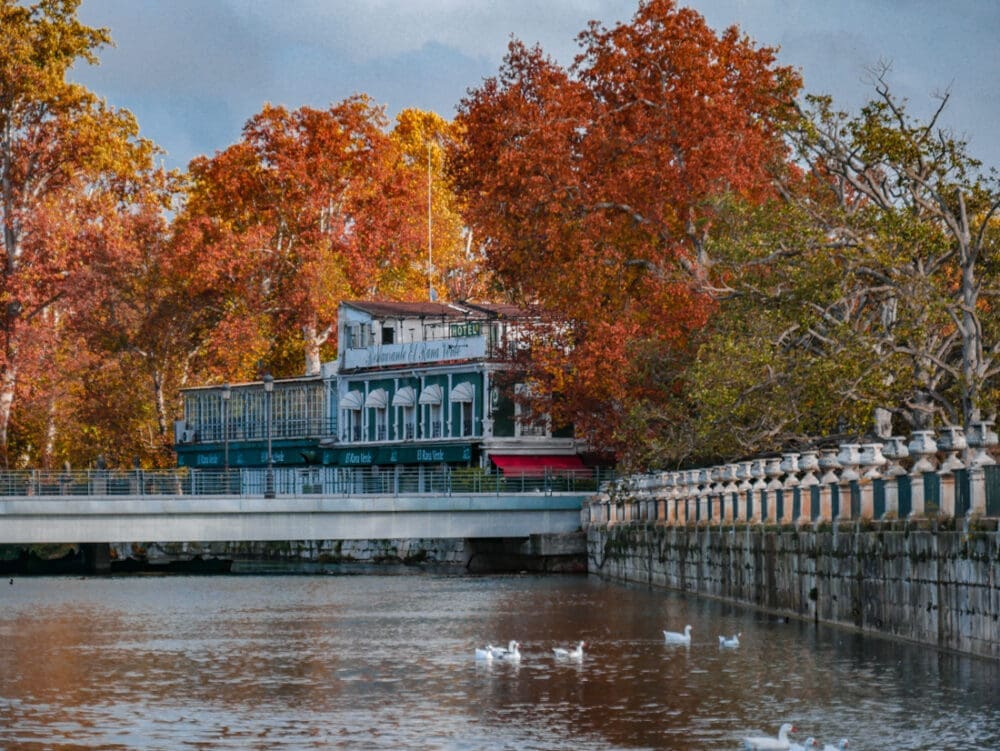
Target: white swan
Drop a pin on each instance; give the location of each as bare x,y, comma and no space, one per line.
672,637
841,746
730,642
512,652
485,654
770,743
570,654
805,746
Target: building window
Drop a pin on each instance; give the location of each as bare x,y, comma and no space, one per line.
388,335
352,425
466,418
381,424
527,424
409,423
435,421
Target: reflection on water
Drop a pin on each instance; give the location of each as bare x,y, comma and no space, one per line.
386,662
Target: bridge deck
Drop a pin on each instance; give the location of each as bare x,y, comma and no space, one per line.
164,518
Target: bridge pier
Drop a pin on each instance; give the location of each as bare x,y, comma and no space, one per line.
96,558
549,553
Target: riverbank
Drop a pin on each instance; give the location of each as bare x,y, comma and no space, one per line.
915,580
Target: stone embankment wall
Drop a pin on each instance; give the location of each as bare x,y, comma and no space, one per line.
912,580
297,552
556,552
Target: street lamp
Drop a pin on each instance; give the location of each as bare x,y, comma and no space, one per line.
269,478
226,394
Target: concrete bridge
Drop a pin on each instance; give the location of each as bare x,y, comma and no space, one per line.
206,518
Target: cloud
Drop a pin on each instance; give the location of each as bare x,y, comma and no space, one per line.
193,71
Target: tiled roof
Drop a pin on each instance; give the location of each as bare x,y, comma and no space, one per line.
462,310
406,309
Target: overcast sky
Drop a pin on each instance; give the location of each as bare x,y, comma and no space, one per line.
193,71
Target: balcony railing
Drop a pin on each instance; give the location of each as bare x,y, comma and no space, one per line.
292,481
215,432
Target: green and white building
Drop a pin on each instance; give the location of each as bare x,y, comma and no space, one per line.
415,387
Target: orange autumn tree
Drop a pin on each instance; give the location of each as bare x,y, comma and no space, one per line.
64,157
322,206
594,189
427,140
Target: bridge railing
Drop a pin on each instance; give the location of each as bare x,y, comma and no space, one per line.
342,481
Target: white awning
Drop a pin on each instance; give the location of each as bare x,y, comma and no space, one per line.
405,397
431,394
463,392
352,400
378,399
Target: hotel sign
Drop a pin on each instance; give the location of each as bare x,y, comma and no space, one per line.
463,347
469,328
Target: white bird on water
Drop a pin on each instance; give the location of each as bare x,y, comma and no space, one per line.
770,743
730,641
512,652
485,653
808,744
570,654
841,746
673,637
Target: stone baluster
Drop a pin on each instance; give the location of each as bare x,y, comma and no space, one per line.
690,495
872,462
790,468
660,512
693,499
850,459
895,451
980,438
952,441
743,489
828,465
808,464
670,499
759,491
772,468
704,494
730,494
923,447
714,505
680,497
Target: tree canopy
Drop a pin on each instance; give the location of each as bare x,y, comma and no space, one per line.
595,190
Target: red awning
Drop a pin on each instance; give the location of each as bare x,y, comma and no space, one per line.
513,464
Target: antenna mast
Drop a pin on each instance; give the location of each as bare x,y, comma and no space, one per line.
430,239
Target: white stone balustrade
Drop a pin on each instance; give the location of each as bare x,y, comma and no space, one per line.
749,491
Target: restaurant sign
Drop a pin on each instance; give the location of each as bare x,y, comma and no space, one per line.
465,347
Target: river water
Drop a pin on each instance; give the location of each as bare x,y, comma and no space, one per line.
386,662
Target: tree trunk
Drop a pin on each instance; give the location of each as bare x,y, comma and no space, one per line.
161,406
313,341
8,383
